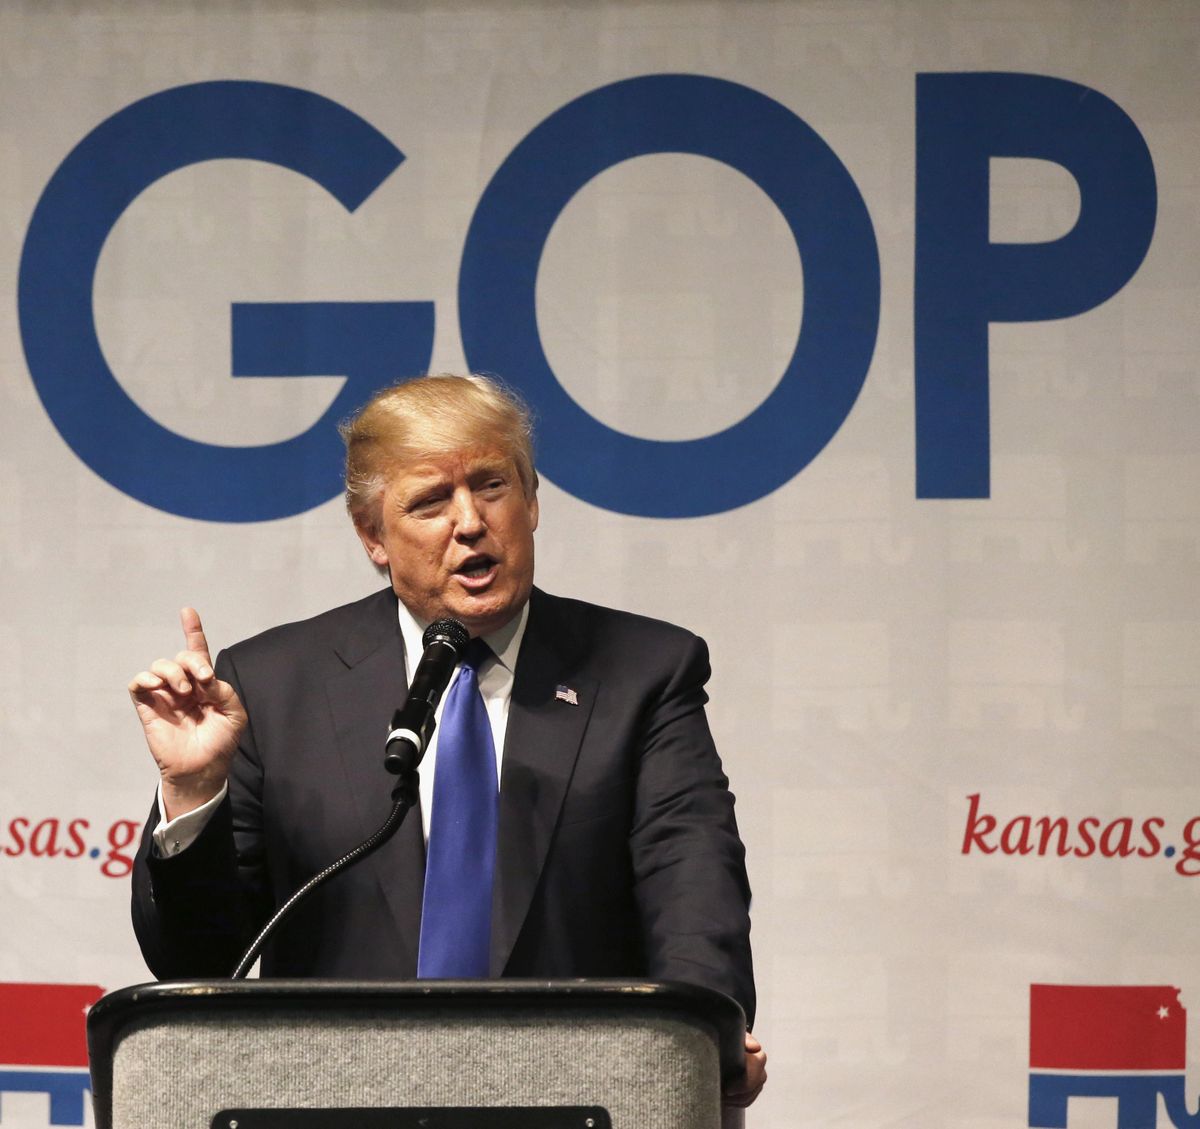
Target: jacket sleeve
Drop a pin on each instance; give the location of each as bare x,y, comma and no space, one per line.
688,860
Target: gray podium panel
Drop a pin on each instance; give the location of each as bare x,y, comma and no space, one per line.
644,1056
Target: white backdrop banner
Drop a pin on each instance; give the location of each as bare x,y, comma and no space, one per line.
864,341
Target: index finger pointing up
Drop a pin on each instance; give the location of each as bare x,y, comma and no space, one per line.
193,632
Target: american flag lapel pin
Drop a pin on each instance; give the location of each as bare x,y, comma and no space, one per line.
566,694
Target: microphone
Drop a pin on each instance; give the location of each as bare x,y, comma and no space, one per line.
412,724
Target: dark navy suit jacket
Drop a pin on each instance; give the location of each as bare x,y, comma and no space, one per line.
618,852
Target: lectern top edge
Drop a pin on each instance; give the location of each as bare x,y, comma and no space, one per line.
109,1017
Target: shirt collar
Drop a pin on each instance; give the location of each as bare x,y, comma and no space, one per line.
505,642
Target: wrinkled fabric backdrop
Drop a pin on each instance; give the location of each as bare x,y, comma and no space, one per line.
864,342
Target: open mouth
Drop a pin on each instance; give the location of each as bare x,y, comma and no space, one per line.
478,567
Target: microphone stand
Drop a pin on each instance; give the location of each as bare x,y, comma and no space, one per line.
404,796
411,730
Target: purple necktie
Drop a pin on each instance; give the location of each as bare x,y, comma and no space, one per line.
456,915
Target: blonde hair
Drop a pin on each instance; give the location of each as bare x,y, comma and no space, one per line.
431,415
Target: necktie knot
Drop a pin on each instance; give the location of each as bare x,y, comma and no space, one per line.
476,654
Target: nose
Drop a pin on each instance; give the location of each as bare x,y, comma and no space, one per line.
468,521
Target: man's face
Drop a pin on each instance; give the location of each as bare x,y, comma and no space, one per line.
456,536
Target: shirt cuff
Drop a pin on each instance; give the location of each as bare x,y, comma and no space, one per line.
174,835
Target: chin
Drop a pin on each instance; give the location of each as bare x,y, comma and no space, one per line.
482,623
485,616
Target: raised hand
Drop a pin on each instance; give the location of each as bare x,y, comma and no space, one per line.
192,720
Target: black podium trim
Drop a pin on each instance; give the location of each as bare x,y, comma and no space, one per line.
417,1117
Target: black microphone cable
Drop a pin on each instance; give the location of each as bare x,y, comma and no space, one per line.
408,738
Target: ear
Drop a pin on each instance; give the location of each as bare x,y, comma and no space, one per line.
374,547
533,513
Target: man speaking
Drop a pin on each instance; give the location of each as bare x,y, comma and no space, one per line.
575,820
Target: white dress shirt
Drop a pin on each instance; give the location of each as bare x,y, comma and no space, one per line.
495,685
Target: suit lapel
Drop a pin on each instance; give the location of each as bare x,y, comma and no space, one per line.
540,749
541,746
360,698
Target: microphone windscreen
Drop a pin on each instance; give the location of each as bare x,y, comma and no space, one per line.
448,631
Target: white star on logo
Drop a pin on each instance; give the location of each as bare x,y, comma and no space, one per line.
1163,1013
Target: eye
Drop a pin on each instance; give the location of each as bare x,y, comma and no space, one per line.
426,504
493,487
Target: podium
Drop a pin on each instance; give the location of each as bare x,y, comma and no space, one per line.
472,1054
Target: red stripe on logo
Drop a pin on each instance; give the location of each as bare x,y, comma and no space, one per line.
44,1024
1077,1027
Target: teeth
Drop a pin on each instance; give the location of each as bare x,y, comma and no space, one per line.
476,571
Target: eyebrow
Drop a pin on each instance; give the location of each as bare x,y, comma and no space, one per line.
502,466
